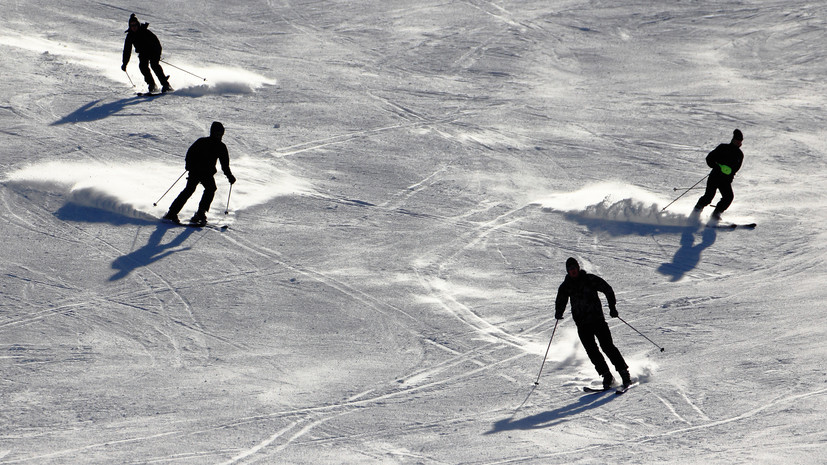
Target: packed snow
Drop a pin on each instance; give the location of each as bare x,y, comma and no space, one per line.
411,179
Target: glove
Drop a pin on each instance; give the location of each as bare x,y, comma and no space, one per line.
123,67
725,169
559,316
231,178
613,312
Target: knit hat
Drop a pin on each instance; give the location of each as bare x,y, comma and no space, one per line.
736,135
571,263
133,19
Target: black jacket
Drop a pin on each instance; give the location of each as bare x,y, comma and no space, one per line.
144,41
203,154
725,154
585,303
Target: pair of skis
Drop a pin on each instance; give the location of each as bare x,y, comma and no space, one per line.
732,225
618,391
197,225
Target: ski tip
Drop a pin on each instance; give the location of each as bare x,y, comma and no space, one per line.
623,389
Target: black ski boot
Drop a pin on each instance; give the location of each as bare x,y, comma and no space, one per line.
171,217
626,379
608,379
165,87
200,219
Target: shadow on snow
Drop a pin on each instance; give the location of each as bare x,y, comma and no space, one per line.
153,251
94,111
554,417
150,253
686,258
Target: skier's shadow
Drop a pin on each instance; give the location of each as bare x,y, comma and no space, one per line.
153,251
94,111
553,417
689,255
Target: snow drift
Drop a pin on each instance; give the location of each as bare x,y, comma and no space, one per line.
609,205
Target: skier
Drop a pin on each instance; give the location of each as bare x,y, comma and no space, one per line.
148,48
587,312
200,162
725,161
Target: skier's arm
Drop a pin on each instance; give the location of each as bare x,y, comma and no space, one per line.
224,159
561,301
712,158
127,51
737,165
607,290
189,160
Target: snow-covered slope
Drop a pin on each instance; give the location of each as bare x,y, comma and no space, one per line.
411,178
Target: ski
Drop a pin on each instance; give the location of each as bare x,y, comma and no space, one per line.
155,93
732,225
210,226
592,390
197,225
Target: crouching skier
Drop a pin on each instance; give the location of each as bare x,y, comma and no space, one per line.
200,162
587,311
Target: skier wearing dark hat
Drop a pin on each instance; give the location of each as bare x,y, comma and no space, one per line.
200,162
725,161
581,289
148,48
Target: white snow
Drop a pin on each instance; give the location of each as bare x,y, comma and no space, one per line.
411,179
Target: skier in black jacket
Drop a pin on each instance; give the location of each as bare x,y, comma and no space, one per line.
200,162
587,311
725,161
148,48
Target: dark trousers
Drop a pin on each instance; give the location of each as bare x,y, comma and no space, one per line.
145,63
600,331
192,182
713,184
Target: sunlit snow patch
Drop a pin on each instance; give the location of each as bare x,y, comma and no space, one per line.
130,189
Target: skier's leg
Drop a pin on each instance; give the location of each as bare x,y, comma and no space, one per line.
726,198
586,334
209,193
709,194
189,189
604,336
143,65
155,64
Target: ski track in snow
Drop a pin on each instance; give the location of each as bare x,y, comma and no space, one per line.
499,108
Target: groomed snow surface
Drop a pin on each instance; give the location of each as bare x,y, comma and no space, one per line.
411,179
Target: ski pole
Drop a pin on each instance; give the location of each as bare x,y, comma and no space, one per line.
182,69
537,383
675,189
227,210
653,342
170,188
670,203
129,77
